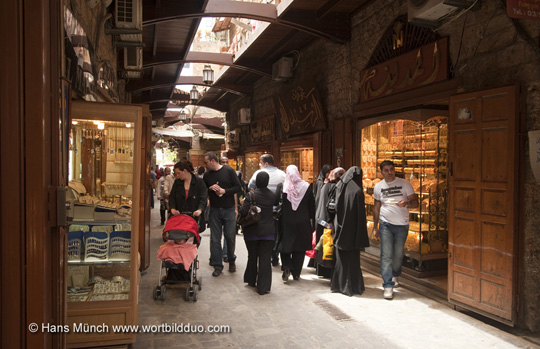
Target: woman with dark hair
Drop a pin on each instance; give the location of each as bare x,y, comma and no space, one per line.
297,222
200,171
321,180
189,193
259,237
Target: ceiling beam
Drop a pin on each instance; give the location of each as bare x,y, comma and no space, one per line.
147,84
336,29
199,57
327,8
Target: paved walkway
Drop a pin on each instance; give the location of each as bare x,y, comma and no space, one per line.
302,314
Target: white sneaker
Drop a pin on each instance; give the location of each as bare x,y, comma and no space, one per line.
396,283
388,293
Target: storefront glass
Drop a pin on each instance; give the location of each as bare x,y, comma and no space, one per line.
419,151
302,158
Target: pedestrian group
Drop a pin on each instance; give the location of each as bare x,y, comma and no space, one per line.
293,219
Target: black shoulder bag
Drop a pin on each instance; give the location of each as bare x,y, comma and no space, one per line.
253,215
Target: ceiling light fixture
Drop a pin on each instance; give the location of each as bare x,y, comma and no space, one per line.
208,75
194,94
183,115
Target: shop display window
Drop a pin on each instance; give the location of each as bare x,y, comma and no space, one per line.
302,158
252,161
103,199
419,151
99,236
102,184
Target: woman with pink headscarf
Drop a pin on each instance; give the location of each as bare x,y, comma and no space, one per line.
297,222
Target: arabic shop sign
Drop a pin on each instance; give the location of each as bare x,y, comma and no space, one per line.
420,67
299,110
526,9
262,130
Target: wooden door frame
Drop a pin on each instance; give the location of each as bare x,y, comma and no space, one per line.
32,254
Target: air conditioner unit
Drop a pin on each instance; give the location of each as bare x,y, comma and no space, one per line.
428,12
129,14
282,70
244,116
133,58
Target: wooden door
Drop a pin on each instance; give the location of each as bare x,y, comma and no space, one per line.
483,201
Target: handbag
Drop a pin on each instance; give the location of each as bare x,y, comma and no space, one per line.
253,215
328,244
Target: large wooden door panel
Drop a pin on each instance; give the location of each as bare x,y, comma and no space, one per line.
482,217
463,243
464,146
495,155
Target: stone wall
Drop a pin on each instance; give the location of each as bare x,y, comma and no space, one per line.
487,50
91,14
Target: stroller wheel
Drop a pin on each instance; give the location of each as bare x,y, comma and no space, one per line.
199,282
157,292
195,294
163,293
188,293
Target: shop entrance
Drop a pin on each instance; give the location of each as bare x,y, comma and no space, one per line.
480,250
482,210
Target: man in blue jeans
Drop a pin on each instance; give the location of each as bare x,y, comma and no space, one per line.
222,184
393,198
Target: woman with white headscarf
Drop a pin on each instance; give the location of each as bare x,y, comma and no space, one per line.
297,222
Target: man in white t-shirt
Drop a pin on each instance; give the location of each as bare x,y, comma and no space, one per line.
277,177
393,198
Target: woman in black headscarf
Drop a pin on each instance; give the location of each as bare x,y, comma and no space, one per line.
323,178
317,189
350,236
322,214
259,237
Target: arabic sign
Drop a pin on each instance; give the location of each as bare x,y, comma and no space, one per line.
299,110
420,67
527,9
262,130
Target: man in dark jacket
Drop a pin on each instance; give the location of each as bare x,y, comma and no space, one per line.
350,236
222,184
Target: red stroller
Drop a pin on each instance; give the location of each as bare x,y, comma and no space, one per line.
181,234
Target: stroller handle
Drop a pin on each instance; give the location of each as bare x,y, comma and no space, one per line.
197,219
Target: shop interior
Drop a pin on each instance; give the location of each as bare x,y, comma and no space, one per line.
417,142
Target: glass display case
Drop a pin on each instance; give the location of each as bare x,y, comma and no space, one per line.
419,152
302,158
104,197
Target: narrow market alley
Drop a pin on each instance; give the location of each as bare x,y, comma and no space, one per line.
300,314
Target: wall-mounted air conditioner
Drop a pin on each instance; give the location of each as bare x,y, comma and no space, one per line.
428,12
128,14
244,116
133,58
282,70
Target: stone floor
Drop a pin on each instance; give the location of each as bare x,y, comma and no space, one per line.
302,314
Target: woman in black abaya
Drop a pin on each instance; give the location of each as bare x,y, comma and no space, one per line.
350,236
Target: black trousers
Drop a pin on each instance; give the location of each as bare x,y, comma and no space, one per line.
259,269
275,256
294,261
